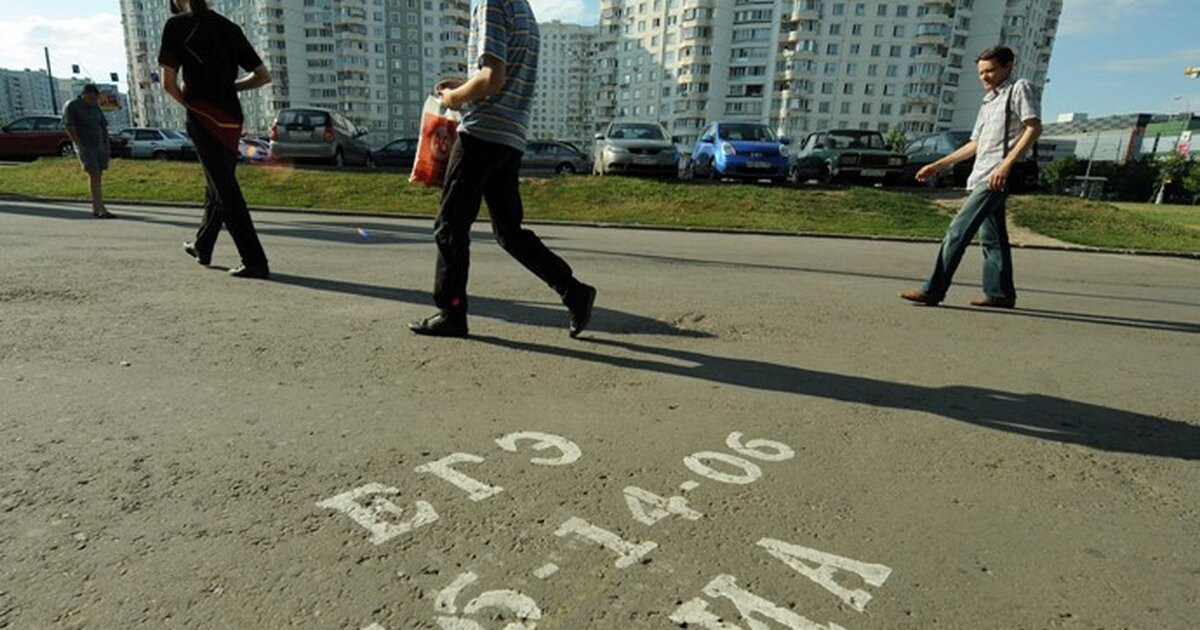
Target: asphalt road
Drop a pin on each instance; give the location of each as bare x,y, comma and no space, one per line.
755,433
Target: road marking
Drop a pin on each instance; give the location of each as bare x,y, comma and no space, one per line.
570,451
375,515
545,571
827,565
688,486
476,490
627,552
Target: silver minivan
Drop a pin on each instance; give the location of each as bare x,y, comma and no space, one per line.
310,133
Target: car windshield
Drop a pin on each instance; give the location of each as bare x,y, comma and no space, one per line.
747,132
855,140
960,138
636,132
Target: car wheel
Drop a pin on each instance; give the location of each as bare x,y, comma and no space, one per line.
565,169
66,150
161,156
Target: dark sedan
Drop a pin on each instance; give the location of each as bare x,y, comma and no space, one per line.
929,149
397,154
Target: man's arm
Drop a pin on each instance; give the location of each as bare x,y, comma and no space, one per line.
256,79
965,152
999,178
69,124
170,80
488,81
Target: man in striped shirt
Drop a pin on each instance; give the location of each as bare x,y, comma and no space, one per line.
484,165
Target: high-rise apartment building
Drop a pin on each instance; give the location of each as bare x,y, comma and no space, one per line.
24,93
807,65
372,60
562,103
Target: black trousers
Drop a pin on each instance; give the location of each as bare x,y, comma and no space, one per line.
223,200
478,171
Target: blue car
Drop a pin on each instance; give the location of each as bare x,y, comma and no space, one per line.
739,150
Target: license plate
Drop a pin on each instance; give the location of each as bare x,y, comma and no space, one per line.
873,172
758,164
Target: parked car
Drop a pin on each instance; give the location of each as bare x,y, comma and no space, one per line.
309,133
554,157
254,149
742,150
34,136
635,148
847,155
929,149
158,144
398,154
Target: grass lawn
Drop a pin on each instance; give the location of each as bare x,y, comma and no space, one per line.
1099,224
1183,216
860,211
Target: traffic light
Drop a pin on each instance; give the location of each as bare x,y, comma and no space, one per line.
113,76
74,68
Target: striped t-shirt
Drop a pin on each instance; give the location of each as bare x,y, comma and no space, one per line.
508,31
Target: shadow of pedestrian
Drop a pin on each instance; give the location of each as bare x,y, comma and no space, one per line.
526,313
1032,415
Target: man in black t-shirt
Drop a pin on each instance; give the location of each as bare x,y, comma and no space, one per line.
210,50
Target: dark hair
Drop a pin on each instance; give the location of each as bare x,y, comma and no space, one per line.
199,7
1002,55
91,88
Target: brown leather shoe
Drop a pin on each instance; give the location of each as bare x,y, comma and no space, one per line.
988,302
920,298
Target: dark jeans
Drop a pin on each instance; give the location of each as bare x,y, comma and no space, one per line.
479,171
223,200
983,212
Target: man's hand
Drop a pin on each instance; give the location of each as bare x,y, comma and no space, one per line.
449,100
928,172
999,179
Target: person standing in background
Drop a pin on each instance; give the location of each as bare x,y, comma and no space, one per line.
210,49
88,129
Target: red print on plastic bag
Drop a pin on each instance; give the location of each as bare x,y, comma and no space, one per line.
439,131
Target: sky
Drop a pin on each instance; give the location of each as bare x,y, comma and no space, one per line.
1111,56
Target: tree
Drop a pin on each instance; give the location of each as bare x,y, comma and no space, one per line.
1060,173
1171,168
897,140
1191,181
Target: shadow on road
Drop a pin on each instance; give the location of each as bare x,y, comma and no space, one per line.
525,313
1032,415
907,280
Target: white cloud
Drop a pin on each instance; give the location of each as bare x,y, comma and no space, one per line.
1082,17
1178,59
575,11
95,42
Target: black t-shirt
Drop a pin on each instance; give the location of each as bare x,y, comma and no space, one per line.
210,49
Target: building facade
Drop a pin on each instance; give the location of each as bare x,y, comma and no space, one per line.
24,93
809,65
562,102
372,60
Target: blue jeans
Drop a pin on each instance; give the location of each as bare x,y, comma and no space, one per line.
983,212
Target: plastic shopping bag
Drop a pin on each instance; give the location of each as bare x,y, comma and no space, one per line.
439,131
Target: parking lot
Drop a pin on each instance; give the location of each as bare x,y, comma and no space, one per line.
756,432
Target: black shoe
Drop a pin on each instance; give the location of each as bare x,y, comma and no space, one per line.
261,272
581,304
190,250
443,324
